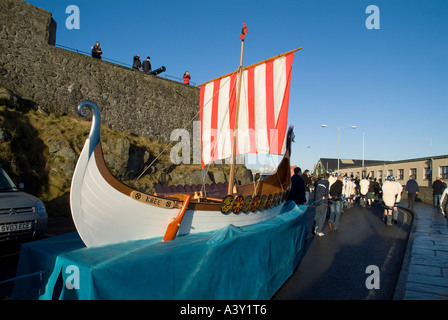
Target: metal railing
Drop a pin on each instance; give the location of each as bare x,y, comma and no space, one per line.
125,65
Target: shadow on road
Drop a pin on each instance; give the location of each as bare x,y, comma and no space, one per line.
334,266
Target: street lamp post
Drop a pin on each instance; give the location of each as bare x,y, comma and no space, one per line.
339,138
362,154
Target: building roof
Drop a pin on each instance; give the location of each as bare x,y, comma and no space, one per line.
332,164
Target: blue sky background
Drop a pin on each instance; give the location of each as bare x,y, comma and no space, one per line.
391,83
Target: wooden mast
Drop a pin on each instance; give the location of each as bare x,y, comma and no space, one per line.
232,165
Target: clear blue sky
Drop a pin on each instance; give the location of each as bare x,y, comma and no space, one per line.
392,82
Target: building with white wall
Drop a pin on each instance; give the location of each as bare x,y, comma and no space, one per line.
425,170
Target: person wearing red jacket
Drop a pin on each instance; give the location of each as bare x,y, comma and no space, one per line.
187,77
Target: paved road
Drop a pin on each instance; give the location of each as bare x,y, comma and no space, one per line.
334,266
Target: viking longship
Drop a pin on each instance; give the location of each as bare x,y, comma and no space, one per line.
243,112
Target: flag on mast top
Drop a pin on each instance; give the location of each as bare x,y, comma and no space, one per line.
243,32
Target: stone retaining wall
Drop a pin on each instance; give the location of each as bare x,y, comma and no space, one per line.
57,79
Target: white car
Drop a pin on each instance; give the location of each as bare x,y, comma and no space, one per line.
21,214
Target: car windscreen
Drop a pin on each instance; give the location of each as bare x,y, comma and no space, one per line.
6,184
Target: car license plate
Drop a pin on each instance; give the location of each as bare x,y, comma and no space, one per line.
15,227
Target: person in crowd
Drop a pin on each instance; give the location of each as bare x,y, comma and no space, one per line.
331,178
335,196
186,77
297,191
390,192
308,182
147,65
371,192
437,187
397,199
344,193
351,191
363,189
321,190
444,202
377,188
356,187
380,193
348,190
96,51
137,64
412,189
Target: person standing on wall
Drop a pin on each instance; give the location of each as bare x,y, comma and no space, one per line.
412,190
137,64
96,51
186,77
147,65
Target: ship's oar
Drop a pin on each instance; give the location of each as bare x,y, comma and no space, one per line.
173,227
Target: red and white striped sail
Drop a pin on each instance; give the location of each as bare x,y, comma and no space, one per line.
263,110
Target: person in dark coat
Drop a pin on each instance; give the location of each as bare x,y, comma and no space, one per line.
137,65
438,188
321,193
336,203
412,190
96,51
308,183
297,192
371,192
147,65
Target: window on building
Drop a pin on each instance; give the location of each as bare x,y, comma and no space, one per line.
380,174
427,174
390,173
400,174
372,174
413,172
444,172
